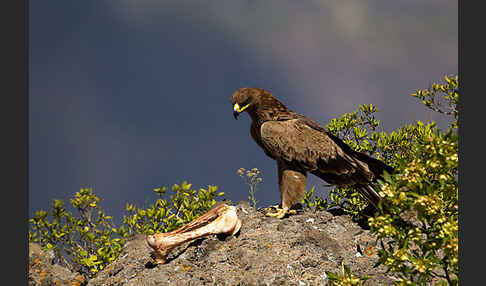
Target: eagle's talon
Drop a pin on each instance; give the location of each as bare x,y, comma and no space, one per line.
281,212
271,208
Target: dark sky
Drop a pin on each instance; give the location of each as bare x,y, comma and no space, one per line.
126,95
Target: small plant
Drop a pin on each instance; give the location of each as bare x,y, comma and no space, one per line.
346,278
310,200
252,179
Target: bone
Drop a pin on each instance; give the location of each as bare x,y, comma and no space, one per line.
220,219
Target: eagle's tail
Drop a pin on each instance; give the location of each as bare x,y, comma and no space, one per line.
376,166
370,194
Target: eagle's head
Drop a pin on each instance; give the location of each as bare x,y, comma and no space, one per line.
245,98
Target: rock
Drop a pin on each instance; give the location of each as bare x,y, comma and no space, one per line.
43,271
267,251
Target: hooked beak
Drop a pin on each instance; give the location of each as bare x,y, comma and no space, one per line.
237,109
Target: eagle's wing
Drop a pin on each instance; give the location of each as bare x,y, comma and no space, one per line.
303,143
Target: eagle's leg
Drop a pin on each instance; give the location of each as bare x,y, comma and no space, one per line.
292,184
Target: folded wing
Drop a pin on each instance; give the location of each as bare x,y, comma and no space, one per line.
302,143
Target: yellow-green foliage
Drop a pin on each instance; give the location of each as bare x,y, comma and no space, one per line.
91,241
439,93
391,147
346,278
185,204
418,233
362,132
87,243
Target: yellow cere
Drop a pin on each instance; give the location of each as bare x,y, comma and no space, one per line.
236,107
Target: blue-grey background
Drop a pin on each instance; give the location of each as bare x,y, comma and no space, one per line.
130,95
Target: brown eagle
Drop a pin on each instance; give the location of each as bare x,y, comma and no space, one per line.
301,146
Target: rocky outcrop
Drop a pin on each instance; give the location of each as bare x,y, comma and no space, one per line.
44,271
297,250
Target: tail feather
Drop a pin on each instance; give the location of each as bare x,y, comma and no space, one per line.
370,194
376,166
369,191
364,182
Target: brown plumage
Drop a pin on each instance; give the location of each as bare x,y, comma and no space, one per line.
301,146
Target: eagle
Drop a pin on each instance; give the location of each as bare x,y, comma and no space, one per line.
301,146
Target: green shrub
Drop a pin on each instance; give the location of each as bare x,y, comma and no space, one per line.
418,234
185,204
362,132
89,242
389,147
86,243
